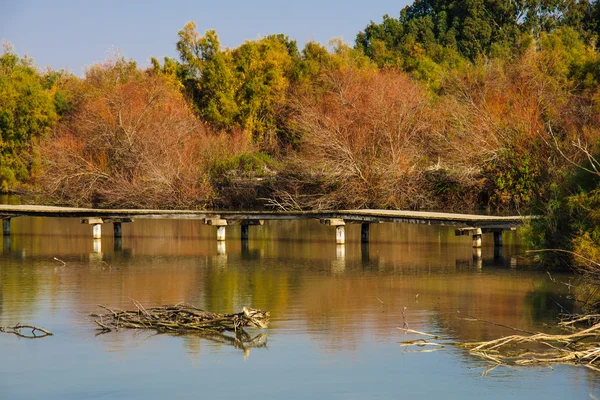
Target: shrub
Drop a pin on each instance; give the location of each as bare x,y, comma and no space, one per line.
131,142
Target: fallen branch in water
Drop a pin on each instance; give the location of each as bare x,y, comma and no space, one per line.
179,318
472,318
581,347
406,330
36,332
578,348
425,345
575,319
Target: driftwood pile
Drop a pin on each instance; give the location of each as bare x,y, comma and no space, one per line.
184,319
179,318
580,347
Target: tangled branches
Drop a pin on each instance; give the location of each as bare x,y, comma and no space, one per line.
578,348
180,318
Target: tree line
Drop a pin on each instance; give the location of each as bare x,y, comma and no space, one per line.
451,105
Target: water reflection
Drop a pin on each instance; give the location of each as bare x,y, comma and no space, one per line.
170,261
336,297
6,245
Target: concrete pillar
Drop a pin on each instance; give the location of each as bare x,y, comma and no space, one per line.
477,238
220,233
340,236
498,239
220,224
6,227
97,231
118,229
364,232
244,233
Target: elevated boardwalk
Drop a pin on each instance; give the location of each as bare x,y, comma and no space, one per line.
468,224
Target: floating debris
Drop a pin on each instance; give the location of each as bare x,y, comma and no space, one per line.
36,332
579,348
179,318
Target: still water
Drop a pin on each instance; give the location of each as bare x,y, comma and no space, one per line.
335,313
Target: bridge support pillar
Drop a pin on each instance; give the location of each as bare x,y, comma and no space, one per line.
117,230
220,224
475,233
340,232
97,226
246,223
220,233
477,239
364,232
97,231
6,226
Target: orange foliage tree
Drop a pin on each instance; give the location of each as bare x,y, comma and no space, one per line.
132,141
520,113
367,138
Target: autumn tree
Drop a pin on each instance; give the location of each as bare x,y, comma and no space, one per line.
362,137
132,141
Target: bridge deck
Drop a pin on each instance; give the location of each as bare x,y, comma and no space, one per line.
415,217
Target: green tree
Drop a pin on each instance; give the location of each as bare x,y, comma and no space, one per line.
241,88
27,113
211,76
443,28
263,69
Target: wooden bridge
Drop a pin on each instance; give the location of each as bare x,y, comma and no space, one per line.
466,224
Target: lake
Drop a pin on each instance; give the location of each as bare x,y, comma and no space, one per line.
335,313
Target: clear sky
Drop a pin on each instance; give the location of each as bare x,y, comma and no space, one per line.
72,34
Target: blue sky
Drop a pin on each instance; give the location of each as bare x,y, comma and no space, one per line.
72,34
